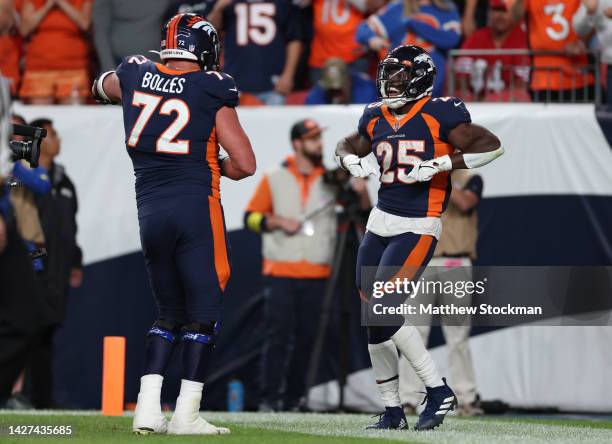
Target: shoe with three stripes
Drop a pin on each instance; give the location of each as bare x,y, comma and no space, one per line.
440,400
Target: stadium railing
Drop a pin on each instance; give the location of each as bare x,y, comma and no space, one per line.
477,80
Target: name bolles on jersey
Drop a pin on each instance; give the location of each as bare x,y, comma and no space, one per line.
169,120
399,142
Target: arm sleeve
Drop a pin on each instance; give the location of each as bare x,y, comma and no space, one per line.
293,27
364,122
447,37
259,205
126,71
102,16
36,179
224,92
452,113
387,23
364,33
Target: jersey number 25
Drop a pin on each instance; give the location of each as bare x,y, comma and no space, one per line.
166,142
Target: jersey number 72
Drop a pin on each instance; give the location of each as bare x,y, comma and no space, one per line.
166,142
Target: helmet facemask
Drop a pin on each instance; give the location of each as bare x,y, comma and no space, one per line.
398,82
393,81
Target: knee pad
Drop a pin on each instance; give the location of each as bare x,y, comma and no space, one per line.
165,329
202,333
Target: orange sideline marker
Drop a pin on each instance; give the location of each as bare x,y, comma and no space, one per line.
113,375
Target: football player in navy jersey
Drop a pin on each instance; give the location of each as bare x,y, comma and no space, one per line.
262,43
175,116
417,140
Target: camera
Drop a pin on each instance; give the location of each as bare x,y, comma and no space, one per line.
28,150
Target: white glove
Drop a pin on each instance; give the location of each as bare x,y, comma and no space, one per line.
424,171
358,167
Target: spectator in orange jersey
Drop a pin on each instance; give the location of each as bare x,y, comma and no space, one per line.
494,73
57,52
10,44
334,26
555,78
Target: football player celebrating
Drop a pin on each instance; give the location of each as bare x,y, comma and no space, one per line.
175,115
417,140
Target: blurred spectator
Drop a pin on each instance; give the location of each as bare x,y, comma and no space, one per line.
495,72
10,44
33,181
123,28
58,217
200,7
297,262
555,78
340,86
596,15
335,24
431,24
24,314
57,51
262,45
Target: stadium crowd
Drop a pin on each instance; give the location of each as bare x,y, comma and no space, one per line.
316,51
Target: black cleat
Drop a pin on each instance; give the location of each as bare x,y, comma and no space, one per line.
392,418
440,401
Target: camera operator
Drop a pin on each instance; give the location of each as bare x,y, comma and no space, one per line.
57,211
294,209
23,311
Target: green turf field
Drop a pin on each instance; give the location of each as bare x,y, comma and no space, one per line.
289,428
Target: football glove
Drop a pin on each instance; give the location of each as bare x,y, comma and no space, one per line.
358,167
425,170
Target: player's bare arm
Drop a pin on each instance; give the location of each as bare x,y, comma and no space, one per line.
241,161
476,147
517,9
31,17
478,143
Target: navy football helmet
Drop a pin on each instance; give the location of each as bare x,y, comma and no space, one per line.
191,37
406,73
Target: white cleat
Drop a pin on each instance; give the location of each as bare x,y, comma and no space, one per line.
145,424
195,426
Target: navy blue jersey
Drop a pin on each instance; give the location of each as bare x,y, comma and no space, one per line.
256,34
399,143
169,119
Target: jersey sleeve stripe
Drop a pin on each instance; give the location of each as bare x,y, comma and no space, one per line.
370,128
212,153
437,189
222,266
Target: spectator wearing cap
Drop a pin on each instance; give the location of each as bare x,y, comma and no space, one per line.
340,86
293,209
57,50
494,73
